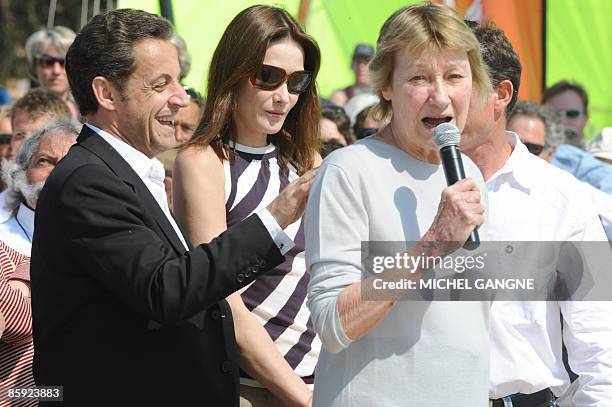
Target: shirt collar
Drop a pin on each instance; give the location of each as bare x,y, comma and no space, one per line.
25,216
518,164
144,166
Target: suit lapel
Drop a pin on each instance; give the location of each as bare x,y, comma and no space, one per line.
93,142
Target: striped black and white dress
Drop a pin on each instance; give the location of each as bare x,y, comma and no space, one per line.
278,298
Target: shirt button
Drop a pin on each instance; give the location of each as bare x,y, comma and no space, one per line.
226,366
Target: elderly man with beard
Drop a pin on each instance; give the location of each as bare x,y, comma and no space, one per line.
25,178
37,109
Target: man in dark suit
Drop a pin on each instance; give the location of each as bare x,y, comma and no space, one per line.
126,312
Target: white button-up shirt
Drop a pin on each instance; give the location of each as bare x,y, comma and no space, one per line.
152,173
17,231
531,200
150,170
4,213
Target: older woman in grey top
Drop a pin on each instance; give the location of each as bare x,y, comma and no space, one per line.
391,187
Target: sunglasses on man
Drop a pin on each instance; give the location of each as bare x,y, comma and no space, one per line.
570,113
48,61
535,149
271,77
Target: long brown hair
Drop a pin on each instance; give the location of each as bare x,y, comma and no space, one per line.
238,56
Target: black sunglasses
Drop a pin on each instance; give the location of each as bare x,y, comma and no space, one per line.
48,61
271,77
570,113
534,149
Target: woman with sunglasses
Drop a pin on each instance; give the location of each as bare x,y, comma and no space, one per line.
46,54
259,131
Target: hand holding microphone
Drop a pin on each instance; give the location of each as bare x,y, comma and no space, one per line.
460,211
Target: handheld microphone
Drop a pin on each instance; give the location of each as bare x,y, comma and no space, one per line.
447,138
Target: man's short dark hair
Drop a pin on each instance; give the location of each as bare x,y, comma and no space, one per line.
549,117
39,102
358,130
563,86
499,56
337,115
194,96
104,48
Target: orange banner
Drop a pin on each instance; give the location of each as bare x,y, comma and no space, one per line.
521,20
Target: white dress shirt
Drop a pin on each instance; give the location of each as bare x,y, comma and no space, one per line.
4,213
531,200
17,231
152,173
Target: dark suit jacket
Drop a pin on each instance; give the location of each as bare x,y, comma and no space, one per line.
121,314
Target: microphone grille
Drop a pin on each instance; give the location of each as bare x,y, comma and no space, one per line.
446,134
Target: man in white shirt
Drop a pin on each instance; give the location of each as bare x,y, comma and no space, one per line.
541,134
530,200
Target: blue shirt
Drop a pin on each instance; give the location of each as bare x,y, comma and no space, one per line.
584,166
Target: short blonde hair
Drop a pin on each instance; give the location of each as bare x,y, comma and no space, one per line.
419,27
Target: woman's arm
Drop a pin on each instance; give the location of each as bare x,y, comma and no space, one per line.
199,204
261,360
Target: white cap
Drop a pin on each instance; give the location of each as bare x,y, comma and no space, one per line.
357,103
601,146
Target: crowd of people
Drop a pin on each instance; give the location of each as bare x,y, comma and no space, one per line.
160,247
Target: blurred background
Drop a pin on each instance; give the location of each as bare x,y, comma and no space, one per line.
556,39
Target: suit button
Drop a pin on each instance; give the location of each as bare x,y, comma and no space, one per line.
226,366
216,314
240,278
261,263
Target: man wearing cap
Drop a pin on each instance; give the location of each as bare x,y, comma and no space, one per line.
361,58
